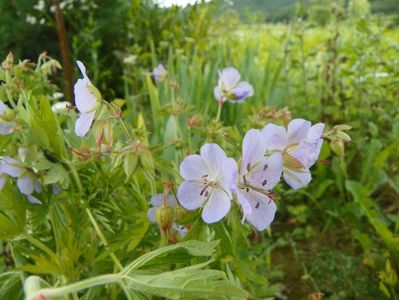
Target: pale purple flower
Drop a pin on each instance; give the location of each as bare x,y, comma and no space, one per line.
209,179
299,146
231,88
258,175
157,201
86,100
2,108
2,181
27,181
160,73
5,127
11,167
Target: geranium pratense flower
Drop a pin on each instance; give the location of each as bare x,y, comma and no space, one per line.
209,179
231,88
87,100
299,146
160,73
258,175
27,181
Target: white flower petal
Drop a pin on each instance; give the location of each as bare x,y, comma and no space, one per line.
82,68
295,179
297,130
83,123
157,200
214,158
37,186
85,101
268,172
242,91
217,92
229,77
263,210
253,149
245,205
2,108
216,207
275,137
230,175
315,132
2,181
5,128
25,184
10,167
33,200
308,152
151,214
191,194
193,168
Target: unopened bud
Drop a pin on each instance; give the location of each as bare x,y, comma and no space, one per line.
164,216
102,130
7,63
316,296
181,213
344,137
174,85
338,147
194,121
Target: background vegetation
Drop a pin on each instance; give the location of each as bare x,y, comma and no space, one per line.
329,61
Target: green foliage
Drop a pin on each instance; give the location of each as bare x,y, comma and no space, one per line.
344,223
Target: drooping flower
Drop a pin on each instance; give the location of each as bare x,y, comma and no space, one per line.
299,146
230,88
87,99
160,73
209,179
258,175
157,201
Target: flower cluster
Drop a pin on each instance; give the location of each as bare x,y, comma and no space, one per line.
212,180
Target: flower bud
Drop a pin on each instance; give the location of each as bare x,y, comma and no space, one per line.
180,213
344,137
337,145
164,216
7,63
194,121
102,130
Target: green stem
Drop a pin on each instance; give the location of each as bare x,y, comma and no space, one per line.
42,247
75,176
220,104
9,95
125,130
103,239
75,287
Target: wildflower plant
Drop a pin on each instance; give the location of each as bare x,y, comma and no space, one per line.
81,187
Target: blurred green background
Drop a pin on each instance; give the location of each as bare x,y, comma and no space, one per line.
330,61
